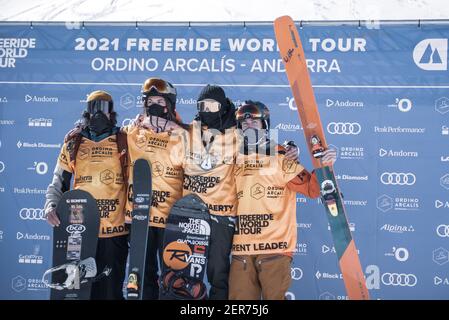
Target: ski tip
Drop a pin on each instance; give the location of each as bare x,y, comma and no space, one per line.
282,18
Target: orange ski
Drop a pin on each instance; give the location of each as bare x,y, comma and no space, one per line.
292,53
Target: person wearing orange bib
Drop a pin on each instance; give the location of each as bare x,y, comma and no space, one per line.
210,158
266,183
94,153
157,135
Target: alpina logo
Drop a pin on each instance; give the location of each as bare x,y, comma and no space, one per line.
397,228
288,127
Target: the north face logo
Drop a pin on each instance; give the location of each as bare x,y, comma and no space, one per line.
431,54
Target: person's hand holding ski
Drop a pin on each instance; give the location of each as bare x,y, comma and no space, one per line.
292,151
329,157
52,217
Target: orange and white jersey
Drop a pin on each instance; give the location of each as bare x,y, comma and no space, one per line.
97,170
164,151
266,190
208,168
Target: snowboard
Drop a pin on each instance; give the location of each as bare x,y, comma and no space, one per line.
185,250
141,195
74,247
292,54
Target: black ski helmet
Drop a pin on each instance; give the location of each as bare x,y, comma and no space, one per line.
255,110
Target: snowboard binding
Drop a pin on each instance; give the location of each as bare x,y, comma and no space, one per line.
73,274
132,288
175,285
328,193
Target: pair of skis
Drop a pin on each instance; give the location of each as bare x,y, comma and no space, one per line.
292,54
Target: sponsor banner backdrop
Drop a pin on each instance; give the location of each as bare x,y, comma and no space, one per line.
383,95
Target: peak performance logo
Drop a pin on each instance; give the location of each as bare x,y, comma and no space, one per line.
431,54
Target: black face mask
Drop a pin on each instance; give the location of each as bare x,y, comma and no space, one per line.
211,119
99,123
157,110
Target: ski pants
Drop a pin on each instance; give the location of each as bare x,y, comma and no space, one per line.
112,253
253,277
218,263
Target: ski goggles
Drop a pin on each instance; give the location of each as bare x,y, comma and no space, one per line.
99,105
248,111
208,105
159,85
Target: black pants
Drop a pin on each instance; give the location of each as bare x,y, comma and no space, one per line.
154,250
112,253
218,264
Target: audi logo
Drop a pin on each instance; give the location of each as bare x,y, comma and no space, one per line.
290,295
75,228
443,230
296,273
398,178
344,128
32,214
399,279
